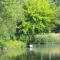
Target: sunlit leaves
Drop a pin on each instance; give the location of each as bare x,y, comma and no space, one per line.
39,14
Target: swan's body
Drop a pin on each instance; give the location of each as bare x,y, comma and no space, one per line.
31,46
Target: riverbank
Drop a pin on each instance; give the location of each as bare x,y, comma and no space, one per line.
11,44
47,38
41,39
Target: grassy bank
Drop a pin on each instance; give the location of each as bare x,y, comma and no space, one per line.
11,43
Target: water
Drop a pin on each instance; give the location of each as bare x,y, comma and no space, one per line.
36,53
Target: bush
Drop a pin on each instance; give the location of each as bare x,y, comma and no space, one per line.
11,43
41,39
47,39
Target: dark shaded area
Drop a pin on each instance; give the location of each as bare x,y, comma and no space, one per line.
57,29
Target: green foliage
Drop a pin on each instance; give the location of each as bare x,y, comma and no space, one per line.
57,20
39,16
26,18
11,44
41,39
10,13
57,16
50,38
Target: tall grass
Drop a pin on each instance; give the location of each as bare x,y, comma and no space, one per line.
50,38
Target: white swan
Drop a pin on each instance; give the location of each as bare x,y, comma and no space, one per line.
31,47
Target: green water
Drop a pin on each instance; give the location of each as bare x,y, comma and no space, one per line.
36,53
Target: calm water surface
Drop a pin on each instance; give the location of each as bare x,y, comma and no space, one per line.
36,53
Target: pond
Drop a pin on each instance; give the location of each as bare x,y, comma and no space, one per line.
36,53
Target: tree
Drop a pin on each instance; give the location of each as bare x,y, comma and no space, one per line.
39,17
10,13
57,20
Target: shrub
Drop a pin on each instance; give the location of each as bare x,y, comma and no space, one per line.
47,39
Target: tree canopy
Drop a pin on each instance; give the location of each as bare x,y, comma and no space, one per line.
10,13
39,16
26,17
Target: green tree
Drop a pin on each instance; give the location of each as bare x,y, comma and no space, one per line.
39,17
57,20
10,13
